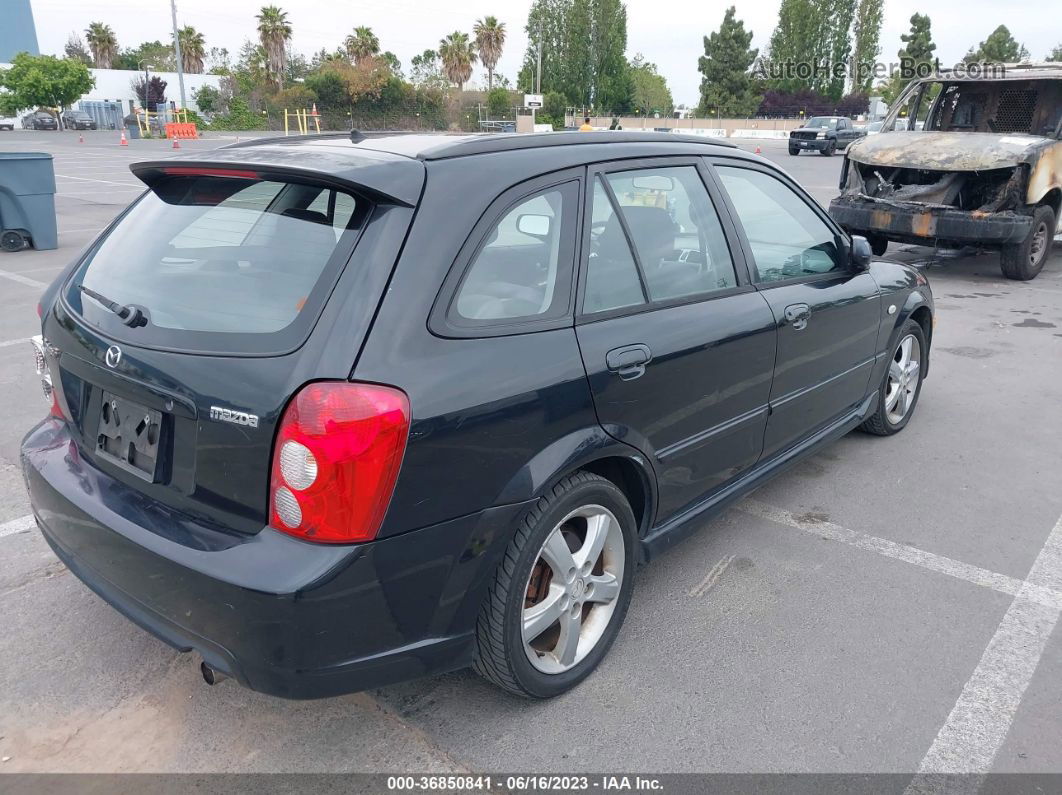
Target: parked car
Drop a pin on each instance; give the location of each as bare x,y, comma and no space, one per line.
8,122
824,134
982,166
331,429
39,120
78,120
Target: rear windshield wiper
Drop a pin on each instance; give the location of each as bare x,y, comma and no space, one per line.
131,315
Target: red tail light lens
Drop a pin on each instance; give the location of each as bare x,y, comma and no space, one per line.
336,460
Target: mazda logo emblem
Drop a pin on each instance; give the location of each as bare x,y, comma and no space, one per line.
114,355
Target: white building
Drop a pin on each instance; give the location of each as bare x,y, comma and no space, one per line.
113,95
116,85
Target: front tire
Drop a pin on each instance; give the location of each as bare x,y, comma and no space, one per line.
793,151
1024,261
829,149
902,384
561,592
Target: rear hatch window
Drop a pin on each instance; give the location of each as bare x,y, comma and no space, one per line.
219,261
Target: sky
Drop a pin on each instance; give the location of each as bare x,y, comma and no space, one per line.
668,32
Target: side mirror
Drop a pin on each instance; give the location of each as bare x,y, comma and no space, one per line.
534,225
861,253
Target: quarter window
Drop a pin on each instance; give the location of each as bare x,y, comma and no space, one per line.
787,237
519,272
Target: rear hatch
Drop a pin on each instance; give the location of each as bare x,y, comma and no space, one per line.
186,329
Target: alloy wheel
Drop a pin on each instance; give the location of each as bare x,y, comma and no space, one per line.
903,379
572,590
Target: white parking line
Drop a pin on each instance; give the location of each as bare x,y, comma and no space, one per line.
101,181
978,724
20,525
9,343
1050,597
22,279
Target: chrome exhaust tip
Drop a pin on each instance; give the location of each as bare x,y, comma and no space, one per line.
211,675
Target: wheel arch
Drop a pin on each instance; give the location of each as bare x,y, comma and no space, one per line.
592,450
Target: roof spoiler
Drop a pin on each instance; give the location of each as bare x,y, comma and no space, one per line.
380,181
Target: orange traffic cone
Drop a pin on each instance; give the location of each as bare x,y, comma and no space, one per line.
123,142
80,138
314,111
176,143
757,150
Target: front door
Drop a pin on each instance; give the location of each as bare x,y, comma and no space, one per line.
827,313
679,348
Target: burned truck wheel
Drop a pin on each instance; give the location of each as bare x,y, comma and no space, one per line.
1025,260
878,244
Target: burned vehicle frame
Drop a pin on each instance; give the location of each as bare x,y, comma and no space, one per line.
963,161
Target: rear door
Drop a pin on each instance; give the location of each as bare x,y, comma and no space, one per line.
678,346
827,314
231,283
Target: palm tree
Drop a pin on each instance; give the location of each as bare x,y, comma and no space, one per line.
274,31
193,49
457,54
490,38
361,44
102,42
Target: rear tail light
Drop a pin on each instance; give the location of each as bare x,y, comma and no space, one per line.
336,459
44,372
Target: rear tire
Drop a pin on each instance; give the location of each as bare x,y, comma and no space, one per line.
902,384
1024,261
561,591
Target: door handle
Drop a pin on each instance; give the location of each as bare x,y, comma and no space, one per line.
797,316
629,361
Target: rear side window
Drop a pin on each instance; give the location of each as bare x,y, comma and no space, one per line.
667,216
522,270
209,259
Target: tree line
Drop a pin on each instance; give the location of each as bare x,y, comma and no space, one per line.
820,59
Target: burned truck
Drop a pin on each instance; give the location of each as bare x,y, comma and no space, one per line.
964,161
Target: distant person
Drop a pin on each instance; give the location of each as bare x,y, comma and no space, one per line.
615,124
586,125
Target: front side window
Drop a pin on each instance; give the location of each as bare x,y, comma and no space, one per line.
675,233
788,239
521,270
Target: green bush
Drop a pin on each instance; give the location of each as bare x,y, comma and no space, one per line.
553,105
499,103
240,117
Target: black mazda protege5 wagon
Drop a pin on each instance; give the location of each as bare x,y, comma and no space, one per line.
339,411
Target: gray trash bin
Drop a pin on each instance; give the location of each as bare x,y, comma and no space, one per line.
132,127
27,201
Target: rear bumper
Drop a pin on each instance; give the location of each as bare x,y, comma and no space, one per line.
281,616
916,223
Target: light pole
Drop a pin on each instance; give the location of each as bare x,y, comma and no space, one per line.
177,52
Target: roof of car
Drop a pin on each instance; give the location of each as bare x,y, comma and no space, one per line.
441,146
392,165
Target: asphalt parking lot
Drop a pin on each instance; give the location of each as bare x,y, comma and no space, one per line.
889,605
